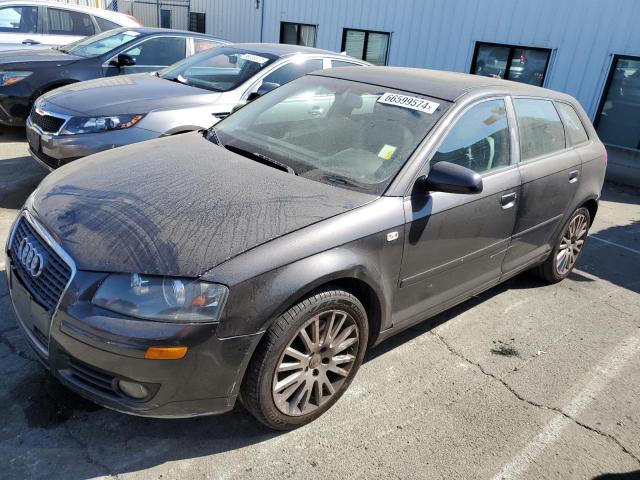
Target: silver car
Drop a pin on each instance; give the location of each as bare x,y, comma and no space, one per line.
96,115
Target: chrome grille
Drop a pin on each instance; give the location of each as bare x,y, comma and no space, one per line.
47,288
47,123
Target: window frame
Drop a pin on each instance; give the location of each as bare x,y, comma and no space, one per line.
299,31
47,28
605,91
569,143
511,47
366,42
566,148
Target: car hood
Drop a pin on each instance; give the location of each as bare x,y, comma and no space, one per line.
28,56
177,206
139,93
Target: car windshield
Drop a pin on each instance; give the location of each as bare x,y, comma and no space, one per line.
220,70
352,135
100,44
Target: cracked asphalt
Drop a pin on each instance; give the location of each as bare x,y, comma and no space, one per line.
525,381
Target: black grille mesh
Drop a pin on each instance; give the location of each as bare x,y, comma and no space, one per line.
48,287
47,123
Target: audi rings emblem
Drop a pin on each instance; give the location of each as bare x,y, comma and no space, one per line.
32,260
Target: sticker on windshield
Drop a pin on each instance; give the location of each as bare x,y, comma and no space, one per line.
405,101
254,58
131,33
387,152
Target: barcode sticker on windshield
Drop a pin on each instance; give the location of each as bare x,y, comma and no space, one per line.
254,58
414,103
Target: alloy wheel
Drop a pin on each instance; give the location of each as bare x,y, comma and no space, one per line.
315,363
571,243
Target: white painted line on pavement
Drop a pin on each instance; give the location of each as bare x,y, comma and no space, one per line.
632,250
601,375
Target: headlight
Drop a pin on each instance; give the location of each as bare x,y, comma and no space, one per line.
9,78
162,298
100,124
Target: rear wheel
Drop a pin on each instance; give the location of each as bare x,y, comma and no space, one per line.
568,247
307,360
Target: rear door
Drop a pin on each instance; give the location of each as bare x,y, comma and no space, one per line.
20,27
62,26
455,243
550,177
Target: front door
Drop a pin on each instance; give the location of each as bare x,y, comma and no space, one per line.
455,243
550,178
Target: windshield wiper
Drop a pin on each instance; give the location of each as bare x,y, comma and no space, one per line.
260,158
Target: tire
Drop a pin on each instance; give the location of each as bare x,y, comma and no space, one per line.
301,390
553,270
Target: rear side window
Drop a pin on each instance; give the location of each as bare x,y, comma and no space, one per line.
479,140
576,133
539,126
159,51
69,22
293,70
19,19
340,63
106,24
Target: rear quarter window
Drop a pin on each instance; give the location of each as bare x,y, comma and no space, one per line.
574,128
106,24
539,126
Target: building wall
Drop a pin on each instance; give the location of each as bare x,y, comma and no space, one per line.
441,34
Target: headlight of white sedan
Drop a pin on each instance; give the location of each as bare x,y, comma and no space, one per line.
167,299
100,124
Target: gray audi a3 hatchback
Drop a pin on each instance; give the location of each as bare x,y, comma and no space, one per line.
258,260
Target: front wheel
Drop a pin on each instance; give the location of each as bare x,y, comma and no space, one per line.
307,360
568,247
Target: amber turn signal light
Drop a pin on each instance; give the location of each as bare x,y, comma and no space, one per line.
165,353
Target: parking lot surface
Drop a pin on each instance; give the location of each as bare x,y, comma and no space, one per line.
525,381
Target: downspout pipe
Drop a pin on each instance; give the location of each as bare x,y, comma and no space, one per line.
261,4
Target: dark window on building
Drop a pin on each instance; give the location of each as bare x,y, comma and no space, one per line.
165,18
298,34
293,70
69,22
539,127
576,134
479,140
520,64
197,22
618,119
367,45
19,19
106,24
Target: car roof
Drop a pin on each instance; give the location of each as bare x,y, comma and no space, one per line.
119,17
448,86
283,49
154,30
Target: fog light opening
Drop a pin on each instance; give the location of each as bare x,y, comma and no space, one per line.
133,389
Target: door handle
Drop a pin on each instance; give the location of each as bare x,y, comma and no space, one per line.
28,41
573,176
508,200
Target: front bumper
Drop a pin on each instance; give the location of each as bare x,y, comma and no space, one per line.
90,350
15,103
54,150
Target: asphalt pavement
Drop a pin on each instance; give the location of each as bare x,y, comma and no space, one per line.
526,381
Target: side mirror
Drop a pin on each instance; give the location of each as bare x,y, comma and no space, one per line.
123,60
265,88
451,178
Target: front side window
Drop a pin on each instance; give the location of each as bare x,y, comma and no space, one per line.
576,133
69,22
102,43
220,70
201,45
370,46
293,70
519,64
298,34
19,19
158,51
347,134
539,126
479,140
